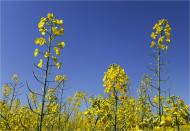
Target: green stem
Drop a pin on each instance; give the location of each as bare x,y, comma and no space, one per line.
159,92
115,112
45,84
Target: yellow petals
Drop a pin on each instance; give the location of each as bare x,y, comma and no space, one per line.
61,45
40,64
58,22
6,90
47,54
61,31
153,43
162,29
60,78
160,40
41,41
160,22
168,40
42,30
57,32
50,16
42,23
181,102
58,64
36,52
115,79
153,35
57,50
55,59
33,97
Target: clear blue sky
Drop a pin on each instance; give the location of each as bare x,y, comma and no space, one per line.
96,35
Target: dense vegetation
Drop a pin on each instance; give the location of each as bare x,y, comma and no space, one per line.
47,109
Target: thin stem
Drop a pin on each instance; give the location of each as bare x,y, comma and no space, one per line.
45,83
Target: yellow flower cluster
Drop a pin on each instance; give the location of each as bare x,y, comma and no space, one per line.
115,79
41,41
51,94
57,31
46,21
101,109
53,27
60,78
6,90
161,32
176,108
41,25
33,97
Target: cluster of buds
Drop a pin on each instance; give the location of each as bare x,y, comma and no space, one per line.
52,27
115,79
161,33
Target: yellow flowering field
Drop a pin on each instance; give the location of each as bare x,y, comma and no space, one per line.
47,109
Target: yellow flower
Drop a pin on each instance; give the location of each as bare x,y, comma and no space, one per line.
42,30
46,55
40,64
58,64
155,26
36,52
42,23
168,40
33,97
6,90
50,16
41,41
55,59
160,40
158,30
61,45
160,22
58,22
153,35
57,50
57,32
153,43
60,78
61,31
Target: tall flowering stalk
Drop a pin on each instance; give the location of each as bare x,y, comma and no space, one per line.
115,83
160,41
47,52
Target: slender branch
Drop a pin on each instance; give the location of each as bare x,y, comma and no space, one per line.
30,106
151,102
37,78
31,90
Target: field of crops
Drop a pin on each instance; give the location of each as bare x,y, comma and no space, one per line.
45,107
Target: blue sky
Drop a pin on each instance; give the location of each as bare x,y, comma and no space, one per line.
96,35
